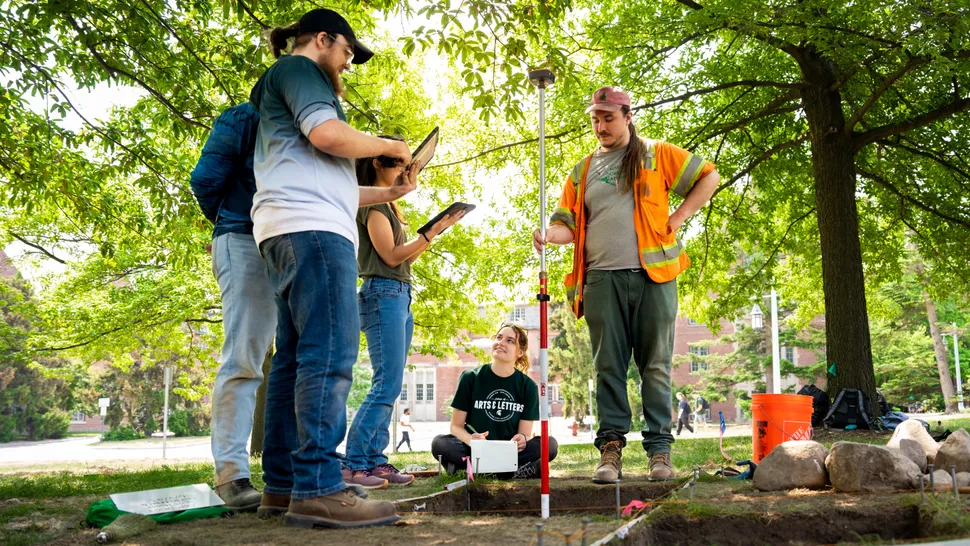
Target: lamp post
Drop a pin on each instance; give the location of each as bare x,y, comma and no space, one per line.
956,357
757,322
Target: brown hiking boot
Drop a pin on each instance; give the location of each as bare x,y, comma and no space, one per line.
611,463
341,509
660,468
273,505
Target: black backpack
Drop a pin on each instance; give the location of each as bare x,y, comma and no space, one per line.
705,405
884,406
820,403
851,407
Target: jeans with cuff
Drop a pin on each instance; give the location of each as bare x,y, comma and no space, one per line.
314,275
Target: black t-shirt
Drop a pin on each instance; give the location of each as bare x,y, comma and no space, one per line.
496,404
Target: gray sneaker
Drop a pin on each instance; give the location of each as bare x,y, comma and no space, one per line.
240,495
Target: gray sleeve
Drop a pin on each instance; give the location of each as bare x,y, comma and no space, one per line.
307,94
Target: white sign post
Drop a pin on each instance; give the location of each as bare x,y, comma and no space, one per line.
168,383
103,404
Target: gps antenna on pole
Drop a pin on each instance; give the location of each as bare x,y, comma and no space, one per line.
542,78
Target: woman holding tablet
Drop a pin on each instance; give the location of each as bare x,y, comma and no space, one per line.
497,401
384,302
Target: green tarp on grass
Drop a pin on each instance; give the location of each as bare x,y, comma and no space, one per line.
104,512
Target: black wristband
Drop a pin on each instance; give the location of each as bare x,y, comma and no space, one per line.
425,235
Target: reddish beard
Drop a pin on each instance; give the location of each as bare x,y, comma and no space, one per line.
333,72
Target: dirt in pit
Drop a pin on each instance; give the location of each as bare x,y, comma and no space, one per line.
823,527
566,496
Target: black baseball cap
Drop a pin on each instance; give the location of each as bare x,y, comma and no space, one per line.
326,20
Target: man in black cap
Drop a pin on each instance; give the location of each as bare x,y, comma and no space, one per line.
304,222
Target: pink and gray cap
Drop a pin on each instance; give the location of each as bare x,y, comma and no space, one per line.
608,99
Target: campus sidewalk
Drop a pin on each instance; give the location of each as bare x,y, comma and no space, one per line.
88,449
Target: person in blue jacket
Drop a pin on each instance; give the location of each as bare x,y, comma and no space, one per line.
224,184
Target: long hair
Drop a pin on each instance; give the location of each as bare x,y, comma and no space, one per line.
280,36
522,363
636,151
367,173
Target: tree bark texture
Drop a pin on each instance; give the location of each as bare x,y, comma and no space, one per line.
942,363
256,442
833,166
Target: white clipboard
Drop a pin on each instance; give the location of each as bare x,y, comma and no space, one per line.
494,457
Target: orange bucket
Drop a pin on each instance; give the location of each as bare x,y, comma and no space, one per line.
777,418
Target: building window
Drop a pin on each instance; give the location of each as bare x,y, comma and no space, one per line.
517,315
788,353
78,418
697,365
429,392
419,392
691,322
404,392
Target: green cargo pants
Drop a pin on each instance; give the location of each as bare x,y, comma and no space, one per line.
627,312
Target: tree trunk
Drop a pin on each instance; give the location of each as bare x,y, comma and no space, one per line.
942,364
833,166
256,442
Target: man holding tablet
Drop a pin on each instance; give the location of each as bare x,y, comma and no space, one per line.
304,223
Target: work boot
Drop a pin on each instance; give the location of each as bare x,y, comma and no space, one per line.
393,476
611,463
363,478
239,495
660,468
273,505
341,509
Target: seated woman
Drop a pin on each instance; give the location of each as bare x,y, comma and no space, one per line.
477,415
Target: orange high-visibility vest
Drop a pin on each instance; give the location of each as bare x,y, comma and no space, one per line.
666,168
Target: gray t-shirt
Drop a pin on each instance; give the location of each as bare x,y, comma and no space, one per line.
298,187
611,238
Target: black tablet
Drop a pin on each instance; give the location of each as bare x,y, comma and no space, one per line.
425,151
452,209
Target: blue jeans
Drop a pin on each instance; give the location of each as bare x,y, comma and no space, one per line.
387,322
249,321
314,274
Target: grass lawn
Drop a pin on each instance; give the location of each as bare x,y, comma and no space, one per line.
46,507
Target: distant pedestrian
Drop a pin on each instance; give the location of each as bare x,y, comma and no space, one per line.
701,407
406,423
683,414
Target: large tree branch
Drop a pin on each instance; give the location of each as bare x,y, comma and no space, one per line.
783,45
53,82
502,147
876,94
190,50
919,204
861,140
43,250
768,154
114,71
252,15
716,88
928,155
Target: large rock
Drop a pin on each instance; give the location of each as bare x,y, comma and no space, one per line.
913,451
793,465
862,467
963,479
956,451
914,430
941,480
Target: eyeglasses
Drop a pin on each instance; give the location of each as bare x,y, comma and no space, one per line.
348,51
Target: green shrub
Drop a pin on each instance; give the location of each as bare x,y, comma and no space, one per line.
178,423
190,422
8,429
53,424
122,434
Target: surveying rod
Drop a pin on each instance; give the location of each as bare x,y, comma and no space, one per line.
543,78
